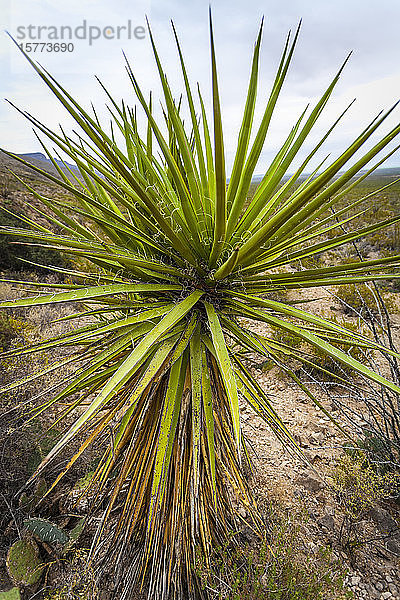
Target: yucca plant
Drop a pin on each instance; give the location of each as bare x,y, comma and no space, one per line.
179,266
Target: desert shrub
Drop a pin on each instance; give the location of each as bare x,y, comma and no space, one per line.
286,337
5,186
316,361
11,253
380,451
359,485
312,262
361,300
324,361
40,443
388,240
13,329
384,206
284,568
279,295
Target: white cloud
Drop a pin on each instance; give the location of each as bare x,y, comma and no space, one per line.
329,31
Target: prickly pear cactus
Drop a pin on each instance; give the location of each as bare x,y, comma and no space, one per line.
23,563
46,531
27,503
74,535
13,594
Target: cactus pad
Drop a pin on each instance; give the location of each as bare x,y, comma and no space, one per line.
23,563
74,535
46,531
27,503
12,594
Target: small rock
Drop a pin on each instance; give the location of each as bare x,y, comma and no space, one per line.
316,458
313,547
386,595
388,579
383,520
393,545
317,436
355,580
393,588
329,522
242,512
379,586
310,482
317,427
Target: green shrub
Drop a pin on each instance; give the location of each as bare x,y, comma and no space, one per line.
380,452
44,442
359,485
361,299
286,337
13,594
326,362
5,186
12,328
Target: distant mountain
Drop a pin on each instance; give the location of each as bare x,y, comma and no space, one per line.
385,172
391,172
40,160
39,156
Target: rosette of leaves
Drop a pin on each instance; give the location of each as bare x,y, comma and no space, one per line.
179,266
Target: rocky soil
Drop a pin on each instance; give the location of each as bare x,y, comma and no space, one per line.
374,567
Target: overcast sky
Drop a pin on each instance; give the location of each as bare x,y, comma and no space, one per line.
330,30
